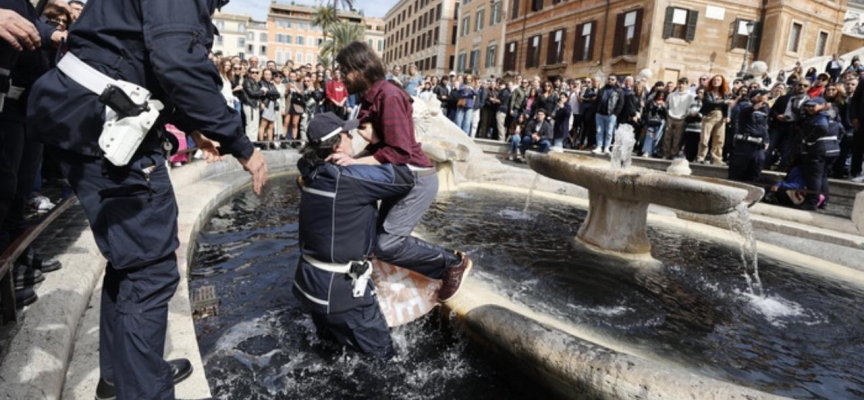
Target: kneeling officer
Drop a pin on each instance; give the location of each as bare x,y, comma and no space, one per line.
338,213
132,67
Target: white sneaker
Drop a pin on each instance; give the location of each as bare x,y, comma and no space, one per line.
198,155
40,204
177,164
607,150
597,150
858,179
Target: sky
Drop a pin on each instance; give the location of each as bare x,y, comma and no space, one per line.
258,8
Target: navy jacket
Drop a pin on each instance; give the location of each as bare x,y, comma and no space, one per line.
338,220
158,44
26,66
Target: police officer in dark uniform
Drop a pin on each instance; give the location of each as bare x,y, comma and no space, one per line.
20,154
751,139
120,50
818,151
338,214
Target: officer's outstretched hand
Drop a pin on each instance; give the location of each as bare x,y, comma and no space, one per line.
18,31
257,167
209,148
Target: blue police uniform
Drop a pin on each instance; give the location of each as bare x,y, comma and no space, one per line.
19,153
819,149
748,153
338,214
161,46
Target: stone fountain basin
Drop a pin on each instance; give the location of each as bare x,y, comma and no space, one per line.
642,185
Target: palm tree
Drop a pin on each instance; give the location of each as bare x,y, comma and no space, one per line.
325,17
343,34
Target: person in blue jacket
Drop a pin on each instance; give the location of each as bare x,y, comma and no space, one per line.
162,47
338,219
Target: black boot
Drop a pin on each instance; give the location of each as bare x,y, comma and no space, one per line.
25,297
181,368
27,277
33,260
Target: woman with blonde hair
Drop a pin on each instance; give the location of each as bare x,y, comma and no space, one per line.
715,108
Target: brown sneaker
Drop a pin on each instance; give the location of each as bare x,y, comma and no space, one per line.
453,278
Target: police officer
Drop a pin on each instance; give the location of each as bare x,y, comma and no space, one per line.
21,63
338,212
751,139
818,151
119,50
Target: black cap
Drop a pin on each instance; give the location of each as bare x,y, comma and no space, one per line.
757,92
325,126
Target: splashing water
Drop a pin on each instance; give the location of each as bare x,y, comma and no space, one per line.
622,152
530,194
739,222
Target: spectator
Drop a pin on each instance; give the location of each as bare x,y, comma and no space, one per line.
546,99
678,108
588,100
834,67
502,111
528,104
517,98
843,165
226,71
715,108
837,112
269,108
655,114
76,6
477,108
811,75
538,132
785,114
252,103
631,112
515,135
336,95
855,67
610,101
490,107
296,107
253,62
465,104
575,104
442,93
561,125
693,126
313,97
412,81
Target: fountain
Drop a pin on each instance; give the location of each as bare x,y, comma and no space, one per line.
568,318
619,195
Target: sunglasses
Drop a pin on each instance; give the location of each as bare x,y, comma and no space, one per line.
236,68
803,85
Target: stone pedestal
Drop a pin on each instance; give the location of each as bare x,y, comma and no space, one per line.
616,225
446,180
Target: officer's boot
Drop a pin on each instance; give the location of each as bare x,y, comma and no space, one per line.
181,368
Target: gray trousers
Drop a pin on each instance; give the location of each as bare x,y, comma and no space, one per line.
397,220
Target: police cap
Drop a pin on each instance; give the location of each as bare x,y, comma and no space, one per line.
327,125
816,101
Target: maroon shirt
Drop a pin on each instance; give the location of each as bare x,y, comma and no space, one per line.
389,110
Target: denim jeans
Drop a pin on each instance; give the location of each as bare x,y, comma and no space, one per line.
558,142
650,142
463,119
605,130
515,141
542,145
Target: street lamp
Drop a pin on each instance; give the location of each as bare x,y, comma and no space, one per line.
749,25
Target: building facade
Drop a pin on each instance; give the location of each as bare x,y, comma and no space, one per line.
257,41
292,36
236,37
423,33
480,37
374,35
671,38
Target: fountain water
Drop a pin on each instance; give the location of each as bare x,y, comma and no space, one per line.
742,228
530,195
622,151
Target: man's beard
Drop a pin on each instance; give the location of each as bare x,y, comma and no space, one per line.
357,86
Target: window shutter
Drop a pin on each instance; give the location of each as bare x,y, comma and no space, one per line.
529,53
637,33
515,56
619,36
691,24
735,33
756,39
578,43
535,61
667,23
550,50
593,42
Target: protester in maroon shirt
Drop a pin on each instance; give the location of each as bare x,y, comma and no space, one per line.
386,117
336,95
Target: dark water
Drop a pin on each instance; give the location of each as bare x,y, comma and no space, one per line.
261,346
803,340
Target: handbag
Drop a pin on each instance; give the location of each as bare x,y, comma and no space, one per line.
461,102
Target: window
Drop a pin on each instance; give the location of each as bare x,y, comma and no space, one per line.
433,63
627,33
453,37
739,34
250,36
555,54
510,56
460,65
287,56
310,58
311,41
262,37
456,11
474,60
495,15
262,51
437,35
220,24
301,41
533,58
466,25
821,43
278,56
380,45
490,56
320,41
680,24
299,57
241,42
438,12
218,40
536,5
584,49
514,11
450,63
478,23
250,48
794,37
241,27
